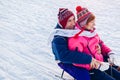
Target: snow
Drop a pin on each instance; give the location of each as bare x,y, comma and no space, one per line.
25,26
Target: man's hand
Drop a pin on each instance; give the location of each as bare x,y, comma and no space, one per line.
95,63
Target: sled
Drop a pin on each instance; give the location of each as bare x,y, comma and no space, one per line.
64,78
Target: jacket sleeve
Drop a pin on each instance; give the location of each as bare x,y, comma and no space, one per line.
104,49
62,53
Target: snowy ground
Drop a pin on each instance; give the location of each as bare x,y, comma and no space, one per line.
25,26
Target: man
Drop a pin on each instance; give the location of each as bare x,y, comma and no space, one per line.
64,56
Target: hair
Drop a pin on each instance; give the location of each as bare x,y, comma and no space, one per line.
92,17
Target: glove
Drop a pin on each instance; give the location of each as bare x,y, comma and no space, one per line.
111,58
104,66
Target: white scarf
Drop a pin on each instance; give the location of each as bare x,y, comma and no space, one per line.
69,33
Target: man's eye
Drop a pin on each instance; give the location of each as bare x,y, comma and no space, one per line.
69,21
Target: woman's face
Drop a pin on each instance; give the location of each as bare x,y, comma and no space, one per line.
70,23
90,25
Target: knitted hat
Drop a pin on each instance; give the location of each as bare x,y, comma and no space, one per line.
82,15
63,16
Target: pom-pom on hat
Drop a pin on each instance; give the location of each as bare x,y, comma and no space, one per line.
63,16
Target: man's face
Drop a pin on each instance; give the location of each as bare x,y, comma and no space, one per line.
70,23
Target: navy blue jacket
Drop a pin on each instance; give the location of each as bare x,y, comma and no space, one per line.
62,53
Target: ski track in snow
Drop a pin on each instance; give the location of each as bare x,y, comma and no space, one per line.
25,26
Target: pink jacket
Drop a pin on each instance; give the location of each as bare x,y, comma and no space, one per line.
88,45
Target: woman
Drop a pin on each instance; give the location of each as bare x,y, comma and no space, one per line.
88,41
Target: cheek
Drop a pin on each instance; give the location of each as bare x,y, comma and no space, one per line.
68,24
91,25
